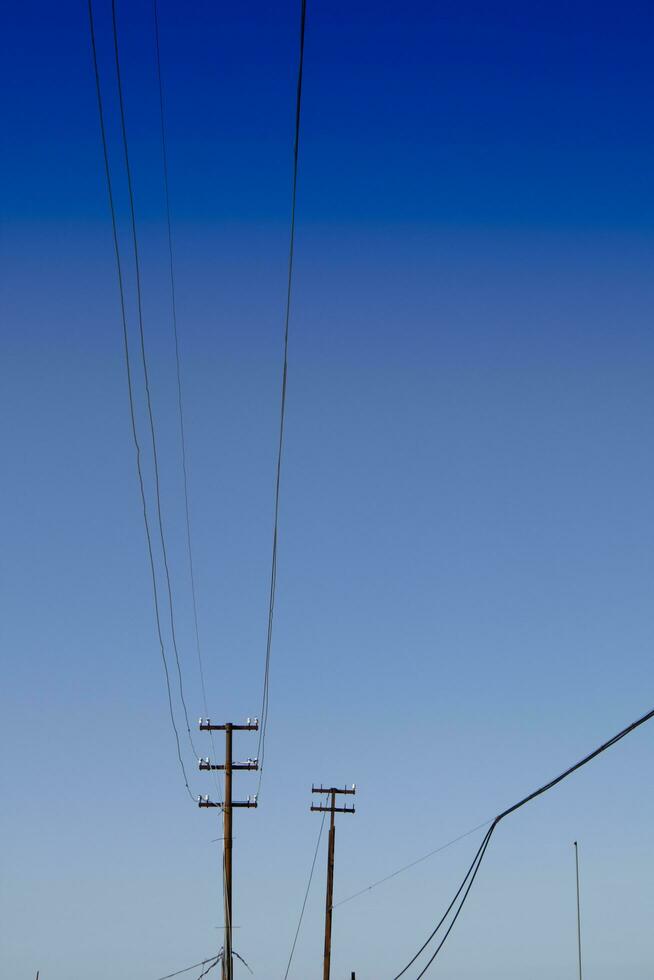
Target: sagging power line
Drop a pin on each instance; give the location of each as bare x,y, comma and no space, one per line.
130,388
472,871
282,414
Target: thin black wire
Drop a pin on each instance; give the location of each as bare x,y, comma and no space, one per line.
137,267
137,446
273,573
407,867
182,430
194,966
306,896
210,967
505,813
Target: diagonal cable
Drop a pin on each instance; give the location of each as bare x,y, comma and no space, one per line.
306,896
474,867
282,414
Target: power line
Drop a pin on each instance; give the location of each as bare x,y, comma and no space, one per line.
180,406
474,867
194,966
144,362
306,895
130,390
407,867
273,573
210,967
180,403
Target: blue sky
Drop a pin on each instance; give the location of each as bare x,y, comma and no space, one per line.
465,567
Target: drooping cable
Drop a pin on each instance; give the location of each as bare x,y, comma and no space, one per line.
137,447
474,867
282,414
472,871
306,896
144,362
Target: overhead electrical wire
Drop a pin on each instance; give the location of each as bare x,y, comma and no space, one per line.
144,362
282,415
130,389
180,403
187,969
474,867
412,864
306,896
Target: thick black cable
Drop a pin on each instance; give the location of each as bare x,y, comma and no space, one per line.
505,813
137,268
469,872
461,904
128,367
282,414
306,896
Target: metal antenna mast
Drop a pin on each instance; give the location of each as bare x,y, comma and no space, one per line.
332,809
206,765
578,907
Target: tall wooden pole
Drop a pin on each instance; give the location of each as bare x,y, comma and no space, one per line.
227,805
330,892
228,960
332,809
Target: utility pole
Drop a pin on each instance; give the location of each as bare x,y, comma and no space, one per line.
578,907
332,809
227,806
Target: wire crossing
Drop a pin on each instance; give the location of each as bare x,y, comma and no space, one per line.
479,856
130,389
282,415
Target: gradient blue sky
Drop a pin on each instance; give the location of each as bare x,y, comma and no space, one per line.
465,568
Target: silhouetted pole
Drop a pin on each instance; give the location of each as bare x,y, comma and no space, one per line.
578,908
331,809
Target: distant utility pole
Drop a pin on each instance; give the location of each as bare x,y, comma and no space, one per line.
578,907
330,791
228,804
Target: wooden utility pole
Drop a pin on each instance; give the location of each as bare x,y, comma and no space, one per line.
227,806
332,809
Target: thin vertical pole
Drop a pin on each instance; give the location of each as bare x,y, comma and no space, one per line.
578,908
228,961
330,893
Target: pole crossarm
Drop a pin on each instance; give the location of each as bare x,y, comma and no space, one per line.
204,801
252,725
345,790
206,765
332,809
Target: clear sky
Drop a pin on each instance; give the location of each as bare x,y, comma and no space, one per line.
466,553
